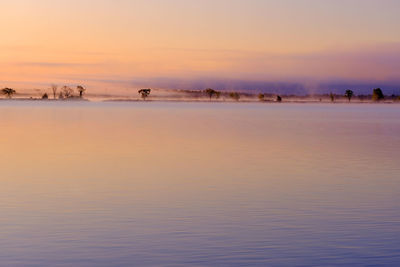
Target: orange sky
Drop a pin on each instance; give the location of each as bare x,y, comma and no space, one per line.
95,42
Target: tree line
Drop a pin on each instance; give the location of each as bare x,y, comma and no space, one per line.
63,92
377,95
66,92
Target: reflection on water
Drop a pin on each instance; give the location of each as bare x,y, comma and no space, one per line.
199,184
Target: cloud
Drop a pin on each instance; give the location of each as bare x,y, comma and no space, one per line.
361,69
57,64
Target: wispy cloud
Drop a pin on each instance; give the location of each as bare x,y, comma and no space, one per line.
360,68
57,64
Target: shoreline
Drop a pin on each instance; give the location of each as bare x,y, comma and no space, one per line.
244,101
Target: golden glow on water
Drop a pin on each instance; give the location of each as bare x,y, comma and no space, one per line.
139,178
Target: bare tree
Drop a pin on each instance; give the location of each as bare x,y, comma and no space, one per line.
54,88
81,90
67,91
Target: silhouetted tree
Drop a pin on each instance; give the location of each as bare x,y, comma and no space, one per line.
67,91
235,95
217,94
349,94
261,97
377,94
8,92
81,90
144,93
210,92
278,98
54,88
45,96
332,96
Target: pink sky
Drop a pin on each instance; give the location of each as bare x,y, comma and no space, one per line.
126,42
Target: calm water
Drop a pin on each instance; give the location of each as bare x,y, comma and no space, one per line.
170,184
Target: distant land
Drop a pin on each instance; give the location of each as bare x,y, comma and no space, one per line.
81,93
127,86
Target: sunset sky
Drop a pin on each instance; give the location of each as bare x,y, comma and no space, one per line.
117,44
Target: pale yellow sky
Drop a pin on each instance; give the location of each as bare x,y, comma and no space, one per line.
73,41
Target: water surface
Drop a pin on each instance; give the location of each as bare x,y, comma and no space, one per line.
150,184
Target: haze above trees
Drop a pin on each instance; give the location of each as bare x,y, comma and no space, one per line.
66,92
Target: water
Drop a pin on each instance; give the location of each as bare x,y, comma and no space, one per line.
178,184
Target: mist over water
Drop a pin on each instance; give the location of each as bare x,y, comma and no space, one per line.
203,184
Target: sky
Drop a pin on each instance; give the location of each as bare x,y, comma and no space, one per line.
111,45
